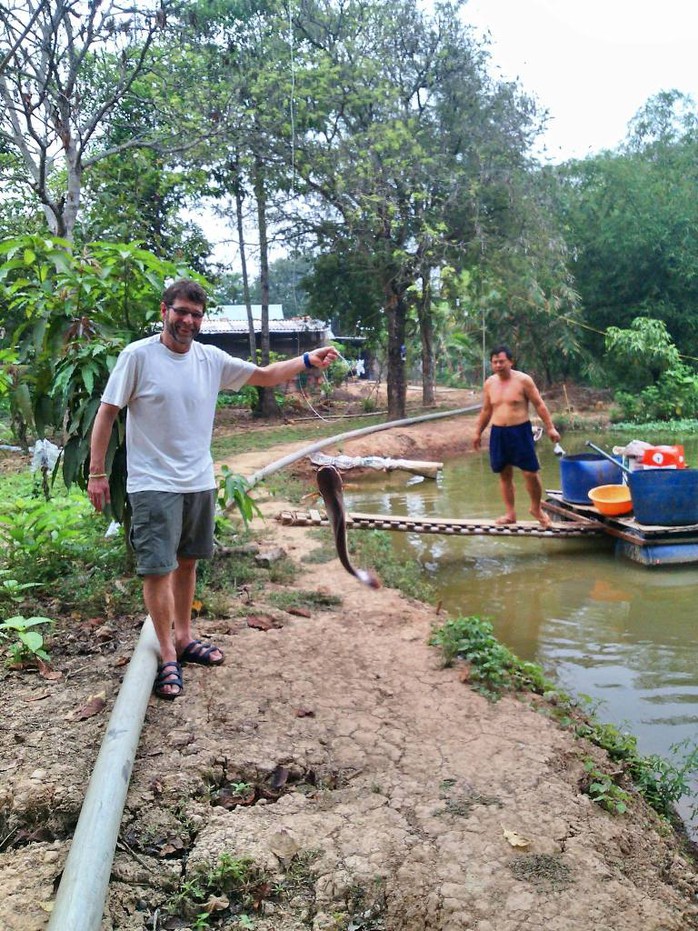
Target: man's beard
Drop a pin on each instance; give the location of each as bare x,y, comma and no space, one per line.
177,336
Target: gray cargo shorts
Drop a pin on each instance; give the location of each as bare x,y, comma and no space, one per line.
167,524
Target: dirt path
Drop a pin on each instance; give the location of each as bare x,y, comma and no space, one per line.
388,789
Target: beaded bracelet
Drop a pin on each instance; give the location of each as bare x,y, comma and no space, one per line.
97,475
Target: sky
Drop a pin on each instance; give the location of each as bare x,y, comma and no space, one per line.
591,63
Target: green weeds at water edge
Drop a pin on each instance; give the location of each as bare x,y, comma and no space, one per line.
373,548
601,788
493,668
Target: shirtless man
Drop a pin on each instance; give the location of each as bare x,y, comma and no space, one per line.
507,395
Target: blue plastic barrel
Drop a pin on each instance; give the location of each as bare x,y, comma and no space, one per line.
665,497
584,471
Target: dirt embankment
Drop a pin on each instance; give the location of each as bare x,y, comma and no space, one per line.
382,791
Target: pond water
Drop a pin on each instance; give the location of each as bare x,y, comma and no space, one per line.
599,625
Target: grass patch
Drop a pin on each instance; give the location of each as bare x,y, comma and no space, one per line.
285,486
236,883
319,556
228,573
58,553
324,553
545,871
373,549
571,422
303,599
248,440
683,427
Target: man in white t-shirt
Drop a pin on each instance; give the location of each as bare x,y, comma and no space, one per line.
170,383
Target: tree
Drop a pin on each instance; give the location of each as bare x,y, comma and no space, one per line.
80,308
375,86
244,46
648,362
632,226
66,70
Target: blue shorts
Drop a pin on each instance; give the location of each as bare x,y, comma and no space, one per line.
513,446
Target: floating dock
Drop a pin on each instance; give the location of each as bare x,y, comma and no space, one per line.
649,545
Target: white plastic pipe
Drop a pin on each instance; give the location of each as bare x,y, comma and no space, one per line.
79,904
351,434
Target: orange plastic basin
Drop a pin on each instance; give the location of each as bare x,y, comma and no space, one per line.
611,499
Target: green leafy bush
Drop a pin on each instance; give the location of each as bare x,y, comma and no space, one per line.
674,395
25,644
39,533
233,489
494,669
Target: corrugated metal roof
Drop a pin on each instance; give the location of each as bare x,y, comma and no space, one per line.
239,312
292,325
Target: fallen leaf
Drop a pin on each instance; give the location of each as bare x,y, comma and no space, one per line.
278,777
305,713
260,622
39,835
228,798
516,840
283,844
216,904
300,612
197,605
93,706
122,661
46,672
172,846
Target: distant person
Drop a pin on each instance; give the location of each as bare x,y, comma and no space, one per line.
506,398
169,383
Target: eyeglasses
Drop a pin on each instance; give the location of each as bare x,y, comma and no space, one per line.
185,312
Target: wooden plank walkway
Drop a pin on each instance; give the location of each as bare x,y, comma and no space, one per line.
448,527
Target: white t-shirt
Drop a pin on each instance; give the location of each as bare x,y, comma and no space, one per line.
171,399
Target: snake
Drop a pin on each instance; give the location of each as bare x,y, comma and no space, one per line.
329,483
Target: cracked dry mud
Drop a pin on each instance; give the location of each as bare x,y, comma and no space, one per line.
394,781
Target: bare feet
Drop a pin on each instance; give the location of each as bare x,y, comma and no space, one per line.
506,520
542,518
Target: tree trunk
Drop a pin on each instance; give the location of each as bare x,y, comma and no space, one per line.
396,312
426,332
243,265
266,404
